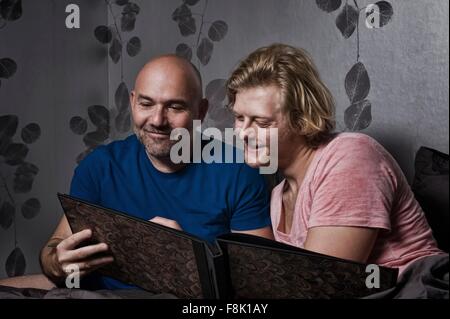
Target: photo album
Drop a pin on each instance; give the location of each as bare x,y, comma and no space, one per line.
160,259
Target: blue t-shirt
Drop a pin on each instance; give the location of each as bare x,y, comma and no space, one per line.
206,200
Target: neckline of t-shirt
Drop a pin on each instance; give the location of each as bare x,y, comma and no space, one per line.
149,164
308,176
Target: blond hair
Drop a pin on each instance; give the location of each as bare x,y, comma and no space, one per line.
307,102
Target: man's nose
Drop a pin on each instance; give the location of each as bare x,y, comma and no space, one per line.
159,116
246,131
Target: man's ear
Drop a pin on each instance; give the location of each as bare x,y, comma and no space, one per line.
203,109
132,98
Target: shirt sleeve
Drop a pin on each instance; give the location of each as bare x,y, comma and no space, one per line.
353,186
251,201
85,183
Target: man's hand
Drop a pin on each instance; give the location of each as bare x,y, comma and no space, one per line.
166,222
67,254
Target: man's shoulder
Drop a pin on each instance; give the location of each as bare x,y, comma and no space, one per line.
91,175
229,166
116,150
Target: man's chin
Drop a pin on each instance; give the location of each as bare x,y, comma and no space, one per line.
253,162
159,155
253,165
157,151
256,158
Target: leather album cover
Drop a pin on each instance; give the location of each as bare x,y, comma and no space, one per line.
163,260
262,268
148,255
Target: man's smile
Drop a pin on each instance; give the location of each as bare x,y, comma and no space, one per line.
157,134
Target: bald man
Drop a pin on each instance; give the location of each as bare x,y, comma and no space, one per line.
137,176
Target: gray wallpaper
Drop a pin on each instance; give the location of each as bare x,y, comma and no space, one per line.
59,73
389,82
406,59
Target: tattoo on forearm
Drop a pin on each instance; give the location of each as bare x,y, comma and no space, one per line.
54,242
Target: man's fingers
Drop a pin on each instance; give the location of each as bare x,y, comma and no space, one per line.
166,222
159,220
74,240
82,253
87,265
95,263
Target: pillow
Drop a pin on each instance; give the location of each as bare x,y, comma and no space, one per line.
431,188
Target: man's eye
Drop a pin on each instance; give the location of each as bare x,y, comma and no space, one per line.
263,124
145,104
177,107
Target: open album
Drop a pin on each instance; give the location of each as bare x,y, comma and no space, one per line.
163,260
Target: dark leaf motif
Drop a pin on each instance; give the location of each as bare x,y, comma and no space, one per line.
123,121
216,91
2,24
78,125
31,208
23,184
31,133
122,97
103,34
187,26
329,5
27,169
4,143
11,9
8,126
220,116
218,30
204,51
7,68
184,51
121,2
15,263
134,46
94,139
115,50
15,153
82,155
385,11
131,8
191,2
357,83
24,177
181,13
128,21
7,212
347,20
99,116
358,116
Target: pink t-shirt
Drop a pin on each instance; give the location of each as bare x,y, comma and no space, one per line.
354,181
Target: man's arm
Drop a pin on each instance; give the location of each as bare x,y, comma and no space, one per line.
48,260
261,232
62,250
352,243
265,232
251,209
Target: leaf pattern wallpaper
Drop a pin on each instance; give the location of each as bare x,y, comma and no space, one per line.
109,124
202,39
385,86
358,115
16,174
103,124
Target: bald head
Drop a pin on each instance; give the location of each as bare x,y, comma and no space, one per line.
170,69
167,95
